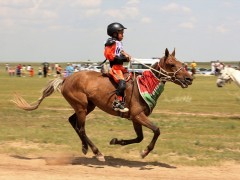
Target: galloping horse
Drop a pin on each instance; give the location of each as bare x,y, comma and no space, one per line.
227,75
87,89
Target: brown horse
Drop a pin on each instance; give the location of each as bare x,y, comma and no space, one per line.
87,89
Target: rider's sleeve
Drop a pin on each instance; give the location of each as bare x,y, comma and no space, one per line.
113,53
120,59
109,52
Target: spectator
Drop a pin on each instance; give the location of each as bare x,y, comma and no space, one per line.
52,67
64,73
213,69
31,72
18,70
7,67
11,71
218,67
59,71
56,66
49,73
69,69
23,71
45,70
40,72
193,67
29,67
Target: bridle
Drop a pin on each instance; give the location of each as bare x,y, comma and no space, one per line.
167,75
163,75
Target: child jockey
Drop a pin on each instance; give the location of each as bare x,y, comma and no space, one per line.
116,55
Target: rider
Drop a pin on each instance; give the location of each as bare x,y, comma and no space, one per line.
116,55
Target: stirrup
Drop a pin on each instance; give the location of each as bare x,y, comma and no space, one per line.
119,106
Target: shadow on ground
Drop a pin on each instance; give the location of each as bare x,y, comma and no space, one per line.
93,162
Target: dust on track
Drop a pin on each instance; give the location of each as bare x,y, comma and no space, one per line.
68,167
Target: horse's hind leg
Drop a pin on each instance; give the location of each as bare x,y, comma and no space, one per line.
81,121
77,120
76,127
138,139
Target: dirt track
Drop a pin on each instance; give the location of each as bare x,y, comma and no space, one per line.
66,167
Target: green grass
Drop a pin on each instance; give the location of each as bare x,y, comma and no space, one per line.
186,139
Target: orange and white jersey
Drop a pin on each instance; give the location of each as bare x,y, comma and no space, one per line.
113,48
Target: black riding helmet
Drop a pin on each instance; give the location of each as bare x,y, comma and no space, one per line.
114,28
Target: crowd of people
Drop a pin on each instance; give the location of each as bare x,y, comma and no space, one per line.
45,70
216,67
56,70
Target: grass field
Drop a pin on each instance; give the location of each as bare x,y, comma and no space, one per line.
199,125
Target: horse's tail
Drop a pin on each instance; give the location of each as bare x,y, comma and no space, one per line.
53,85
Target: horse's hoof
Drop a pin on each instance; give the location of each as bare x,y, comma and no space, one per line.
84,149
100,157
144,154
113,141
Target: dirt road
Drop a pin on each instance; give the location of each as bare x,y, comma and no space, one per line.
71,168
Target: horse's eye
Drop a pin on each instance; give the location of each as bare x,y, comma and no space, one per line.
172,65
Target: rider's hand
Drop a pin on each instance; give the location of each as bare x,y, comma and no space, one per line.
128,57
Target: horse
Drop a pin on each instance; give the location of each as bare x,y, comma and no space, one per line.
227,75
86,90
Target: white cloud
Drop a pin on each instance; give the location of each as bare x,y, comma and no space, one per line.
227,4
25,14
91,12
16,3
221,29
146,20
86,3
131,12
175,8
187,25
124,13
7,23
131,2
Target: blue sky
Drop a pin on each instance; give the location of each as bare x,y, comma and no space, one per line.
64,30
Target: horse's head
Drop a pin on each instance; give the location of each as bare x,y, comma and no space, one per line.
223,77
172,70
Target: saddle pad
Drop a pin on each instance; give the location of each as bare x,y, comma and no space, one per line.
150,88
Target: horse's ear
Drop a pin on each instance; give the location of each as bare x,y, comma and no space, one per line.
166,52
173,53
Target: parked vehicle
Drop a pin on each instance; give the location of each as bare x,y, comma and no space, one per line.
95,68
140,65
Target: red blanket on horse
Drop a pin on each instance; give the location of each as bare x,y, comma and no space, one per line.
150,88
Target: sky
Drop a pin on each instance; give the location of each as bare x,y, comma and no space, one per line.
76,30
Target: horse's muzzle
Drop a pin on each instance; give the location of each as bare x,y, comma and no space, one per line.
220,83
184,82
187,81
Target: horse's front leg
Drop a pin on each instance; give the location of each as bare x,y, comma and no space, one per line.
143,120
138,139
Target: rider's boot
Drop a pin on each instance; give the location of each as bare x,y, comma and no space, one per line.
119,105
